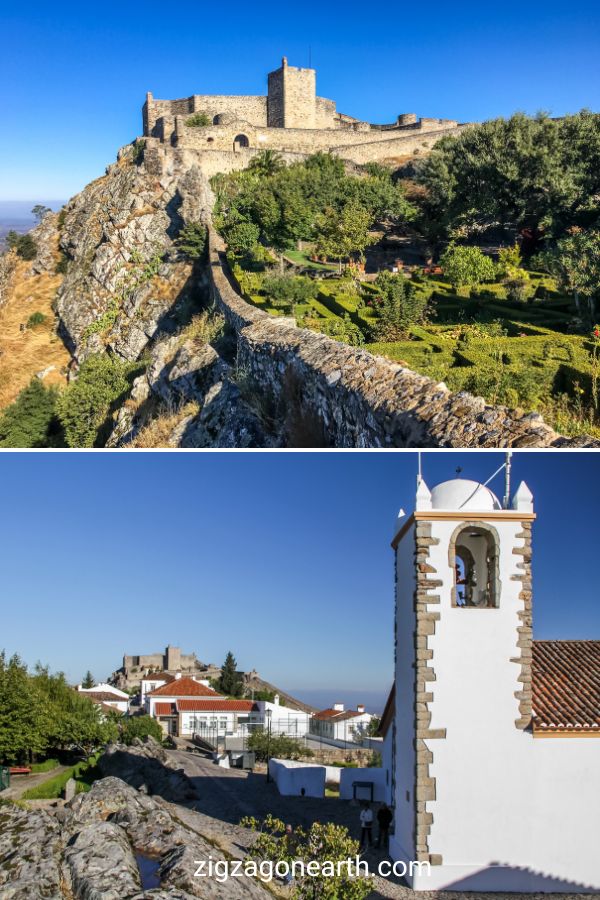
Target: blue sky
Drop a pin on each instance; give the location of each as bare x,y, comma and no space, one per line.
73,76
283,558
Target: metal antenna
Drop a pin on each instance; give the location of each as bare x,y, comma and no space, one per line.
419,469
507,466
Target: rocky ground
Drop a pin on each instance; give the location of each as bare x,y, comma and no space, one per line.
143,834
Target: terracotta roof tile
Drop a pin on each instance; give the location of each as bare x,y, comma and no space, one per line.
103,696
338,714
566,685
183,687
223,705
165,709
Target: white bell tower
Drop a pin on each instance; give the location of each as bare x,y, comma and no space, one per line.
463,673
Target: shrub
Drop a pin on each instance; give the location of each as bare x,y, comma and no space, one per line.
31,421
399,307
198,120
241,237
141,727
137,151
35,319
62,265
466,266
84,405
23,244
266,746
290,289
191,240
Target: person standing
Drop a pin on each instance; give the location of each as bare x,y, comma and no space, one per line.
384,820
366,826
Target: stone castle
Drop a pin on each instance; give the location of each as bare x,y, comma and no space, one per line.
291,119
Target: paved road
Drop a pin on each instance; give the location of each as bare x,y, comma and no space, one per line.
226,795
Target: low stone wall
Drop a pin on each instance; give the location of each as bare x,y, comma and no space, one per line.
343,396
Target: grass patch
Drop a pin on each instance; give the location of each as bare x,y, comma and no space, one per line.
46,766
84,773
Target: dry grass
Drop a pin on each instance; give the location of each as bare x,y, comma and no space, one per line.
158,432
23,354
204,328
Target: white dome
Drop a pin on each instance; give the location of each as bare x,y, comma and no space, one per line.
463,494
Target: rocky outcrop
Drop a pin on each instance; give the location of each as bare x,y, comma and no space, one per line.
144,764
183,371
114,822
126,282
45,236
31,865
101,863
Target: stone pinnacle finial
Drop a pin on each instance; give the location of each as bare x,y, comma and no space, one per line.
284,61
523,499
423,496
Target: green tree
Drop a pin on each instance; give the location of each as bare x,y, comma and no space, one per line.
230,682
140,727
88,680
191,240
535,174
40,211
289,290
341,234
465,267
242,237
400,306
266,163
74,721
32,421
575,263
23,713
84,406
328,845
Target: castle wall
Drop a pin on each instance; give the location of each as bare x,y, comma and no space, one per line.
357,145
355,399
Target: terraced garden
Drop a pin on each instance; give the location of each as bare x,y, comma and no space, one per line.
533,354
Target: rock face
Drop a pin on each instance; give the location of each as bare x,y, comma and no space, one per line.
125,281
192,372
144,764
31,867
91,848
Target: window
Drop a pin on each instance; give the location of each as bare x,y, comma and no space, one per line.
474,560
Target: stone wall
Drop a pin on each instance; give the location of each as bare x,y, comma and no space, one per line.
342,396
415,143
359,143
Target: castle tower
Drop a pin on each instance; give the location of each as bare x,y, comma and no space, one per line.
292,97
173,658
463,677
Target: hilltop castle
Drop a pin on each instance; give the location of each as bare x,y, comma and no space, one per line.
290,119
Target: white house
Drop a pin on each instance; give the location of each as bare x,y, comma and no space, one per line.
280,719
109,696
178,688
496,755
153,680
339,724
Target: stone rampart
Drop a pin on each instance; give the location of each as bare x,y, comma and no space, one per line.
354,399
